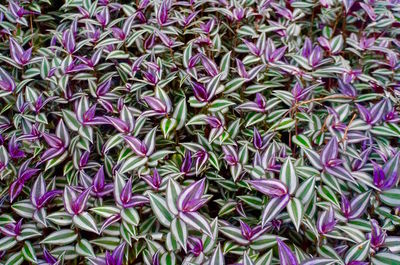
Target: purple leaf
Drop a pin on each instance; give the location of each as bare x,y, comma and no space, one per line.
190,198
286,256
270,187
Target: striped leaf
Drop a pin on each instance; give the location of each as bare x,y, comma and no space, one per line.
7,242
391,197
106,242
302,141
15,259
130,215
61,237
197,221
288,175
234,233
28,252
265,241
160,209
180,113
247,260
224,65
358,252
385,258
217,257
283,124
105,211
173,191
167,126
85,222
306,190
132,163
84,248
179,231
273,208
296,211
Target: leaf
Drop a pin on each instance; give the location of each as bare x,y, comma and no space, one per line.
265,241
273,208
391,197
212,86
219,104
295,211
233,233
217,257
167,126
197,221
306,190
7,242
288,175
84,248
180,113
132,163
160,209
247,260
130,215
358,252
385,258
179,231
61,237
105,211
283,124
15,259
28,252
172,193
224,65
106,242
302,141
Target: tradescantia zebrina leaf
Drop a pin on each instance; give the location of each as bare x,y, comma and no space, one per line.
151,132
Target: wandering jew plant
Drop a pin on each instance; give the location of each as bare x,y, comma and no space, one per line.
217,132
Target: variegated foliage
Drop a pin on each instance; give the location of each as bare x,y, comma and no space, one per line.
215,132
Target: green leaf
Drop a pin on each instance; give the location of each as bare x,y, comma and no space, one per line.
7,242
288,175
105,211
132,163
28,252
219,104
180,113
179,231
358,252
295,211
44,68
302,141
225,64
15,259
70,120
130,215
84,248
306,190
60,237
385,258
391,197
167,126
107,242
24,208
265,241
217,257
160,209
285,123
85,222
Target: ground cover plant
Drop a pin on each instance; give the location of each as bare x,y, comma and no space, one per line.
248,132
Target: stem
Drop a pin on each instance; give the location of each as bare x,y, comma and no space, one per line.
347,128
322,99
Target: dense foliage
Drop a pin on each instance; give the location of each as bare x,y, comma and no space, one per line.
199,132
